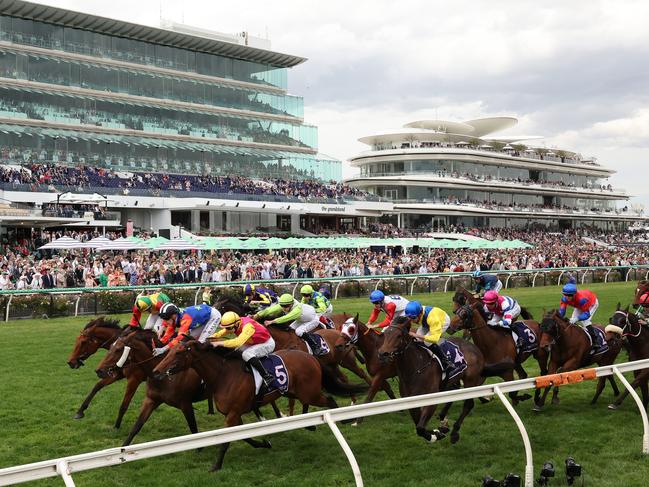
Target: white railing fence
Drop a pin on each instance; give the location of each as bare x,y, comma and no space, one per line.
66,466
81,301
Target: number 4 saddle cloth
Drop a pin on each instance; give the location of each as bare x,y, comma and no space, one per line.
277,368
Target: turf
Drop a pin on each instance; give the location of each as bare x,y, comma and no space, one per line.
39,395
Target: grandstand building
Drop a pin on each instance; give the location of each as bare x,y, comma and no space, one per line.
439,172
82,90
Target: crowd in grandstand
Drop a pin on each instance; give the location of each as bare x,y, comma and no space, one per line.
22,267
52,177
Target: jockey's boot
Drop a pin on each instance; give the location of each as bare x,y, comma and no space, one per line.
439,353
265,375
593,335
307,337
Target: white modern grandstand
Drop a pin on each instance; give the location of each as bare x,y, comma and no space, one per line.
135,109
439,172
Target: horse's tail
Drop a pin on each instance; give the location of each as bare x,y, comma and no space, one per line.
333,385
525,314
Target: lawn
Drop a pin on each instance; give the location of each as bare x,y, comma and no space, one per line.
39,395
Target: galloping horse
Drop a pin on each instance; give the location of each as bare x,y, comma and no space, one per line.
137,365
420,373
496,344
368,342
233,388
569,348
637,335
98,333
286,339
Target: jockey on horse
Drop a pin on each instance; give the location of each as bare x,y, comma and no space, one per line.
486,282
393,306
252,338
300,317
503,309
151,303
585,305
432,321
258,297
321,304
198,321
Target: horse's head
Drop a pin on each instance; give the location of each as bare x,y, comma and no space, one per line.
396,339
550,329
98,333
128,349
179,358
348,333
461,298
464,318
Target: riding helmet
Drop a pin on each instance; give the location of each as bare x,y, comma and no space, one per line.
168,310
414,309
377,296
306,290
230,319
285,299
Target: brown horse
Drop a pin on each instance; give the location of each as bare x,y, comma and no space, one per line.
98,333
569,348
637,335
233,387
419,373
137,366
355,333
642,288
496,344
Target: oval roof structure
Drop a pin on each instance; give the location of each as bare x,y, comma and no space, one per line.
443,126
485,126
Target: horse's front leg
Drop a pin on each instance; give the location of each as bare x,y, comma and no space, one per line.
131,387
425,415
466,409
539,401
97,387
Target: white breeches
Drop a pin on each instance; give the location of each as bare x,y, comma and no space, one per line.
153,322
584,323
259,350
208,329
302,328
496,319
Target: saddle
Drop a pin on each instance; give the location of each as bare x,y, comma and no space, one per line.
524,338
322,348
597,339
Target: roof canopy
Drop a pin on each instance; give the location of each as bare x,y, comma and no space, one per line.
155,35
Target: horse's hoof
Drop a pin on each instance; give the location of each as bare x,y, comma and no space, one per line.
455,437
78,416
555,401
261,418
444,429
282,415
524,397
116,426
613,406
266,444
355,423
485,400
537,408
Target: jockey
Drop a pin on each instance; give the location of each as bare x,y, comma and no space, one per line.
642,307
252,338
393,306
432,321
584,301
301,317
151,303
503,309
486,282
322,305
326,292
259,297
198,321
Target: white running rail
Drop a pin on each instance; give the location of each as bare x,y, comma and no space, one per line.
66,466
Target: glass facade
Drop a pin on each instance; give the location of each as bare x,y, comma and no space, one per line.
117,114
49,36
201,132
56,71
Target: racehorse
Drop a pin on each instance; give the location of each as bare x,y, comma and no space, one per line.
496,344
98,333
643,287
420,373
137,365
368,342
637,335
569,348
233,387
286,339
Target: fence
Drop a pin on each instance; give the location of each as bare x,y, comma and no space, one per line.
80,301
65,467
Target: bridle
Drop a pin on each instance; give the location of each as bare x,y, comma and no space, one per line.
94,340
403,337
627,324
128,362
465,313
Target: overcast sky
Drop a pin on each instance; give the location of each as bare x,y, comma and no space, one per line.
574,71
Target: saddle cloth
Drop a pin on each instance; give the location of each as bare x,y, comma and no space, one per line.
601,346
276,367
323,347
524,338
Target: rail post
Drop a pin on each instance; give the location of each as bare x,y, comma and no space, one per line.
196,296
412,286
76,305
509,276
529,462
643,411
606,275
446,283
348,451
8,305
560,276
534,278
63,470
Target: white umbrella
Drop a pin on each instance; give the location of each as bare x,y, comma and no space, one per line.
123,244
64,243
508,147
97,242
180,244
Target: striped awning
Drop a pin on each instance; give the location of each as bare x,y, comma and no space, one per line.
63,243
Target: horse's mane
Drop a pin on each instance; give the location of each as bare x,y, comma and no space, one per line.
399,320
227,302
103,322
147,335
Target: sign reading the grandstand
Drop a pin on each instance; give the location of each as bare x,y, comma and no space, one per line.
334,209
